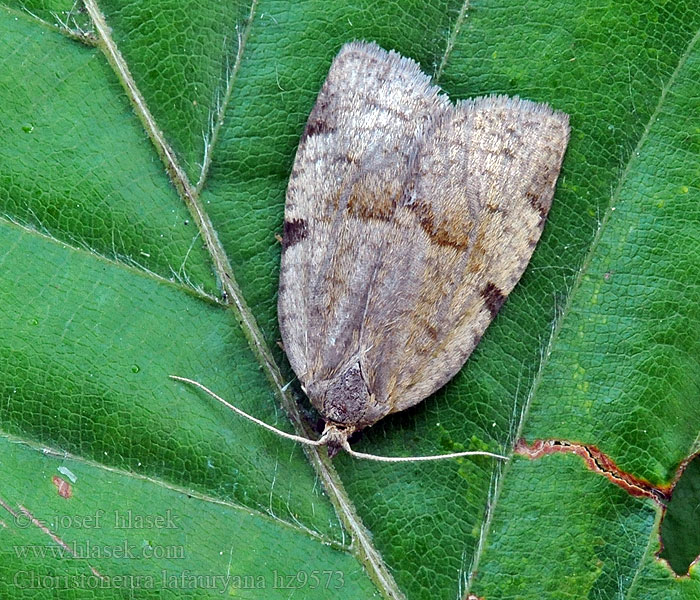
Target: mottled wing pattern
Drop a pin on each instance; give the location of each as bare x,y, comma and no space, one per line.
351,167
484,181
408,221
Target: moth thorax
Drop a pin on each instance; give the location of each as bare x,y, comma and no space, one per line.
344,398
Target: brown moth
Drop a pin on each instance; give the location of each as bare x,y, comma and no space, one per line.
408,221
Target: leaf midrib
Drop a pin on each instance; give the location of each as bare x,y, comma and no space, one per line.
363,547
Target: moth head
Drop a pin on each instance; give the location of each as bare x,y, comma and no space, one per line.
335,436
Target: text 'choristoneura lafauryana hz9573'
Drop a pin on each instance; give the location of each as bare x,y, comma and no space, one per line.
408,221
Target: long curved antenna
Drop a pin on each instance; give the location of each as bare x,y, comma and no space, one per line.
323,440
238,411
396,459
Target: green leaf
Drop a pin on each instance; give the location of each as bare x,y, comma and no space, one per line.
146,148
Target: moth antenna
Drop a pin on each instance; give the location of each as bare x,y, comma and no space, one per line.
322,440
352,452
238,411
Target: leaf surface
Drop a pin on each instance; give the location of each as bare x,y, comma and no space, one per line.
108,287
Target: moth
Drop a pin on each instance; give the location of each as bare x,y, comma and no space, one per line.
408,221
